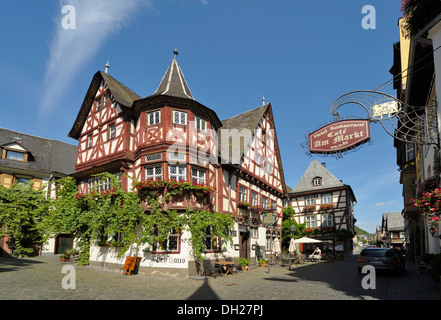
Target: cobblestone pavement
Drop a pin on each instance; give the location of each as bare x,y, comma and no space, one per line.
40,278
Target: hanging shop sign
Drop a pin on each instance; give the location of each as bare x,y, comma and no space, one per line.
339,136
269,218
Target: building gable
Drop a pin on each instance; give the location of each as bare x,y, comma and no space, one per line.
122,97
317,170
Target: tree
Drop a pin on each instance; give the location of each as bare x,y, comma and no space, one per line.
23,211
288,221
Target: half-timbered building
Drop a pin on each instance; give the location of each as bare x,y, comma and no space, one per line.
170,136
326,205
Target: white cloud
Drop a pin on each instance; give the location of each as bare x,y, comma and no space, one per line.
70,49
382,204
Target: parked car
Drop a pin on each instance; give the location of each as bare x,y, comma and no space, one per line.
382,259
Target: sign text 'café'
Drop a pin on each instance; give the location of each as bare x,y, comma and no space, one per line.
339,136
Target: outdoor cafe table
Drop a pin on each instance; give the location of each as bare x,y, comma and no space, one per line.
225,265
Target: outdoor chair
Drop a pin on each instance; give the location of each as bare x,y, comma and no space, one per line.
420,264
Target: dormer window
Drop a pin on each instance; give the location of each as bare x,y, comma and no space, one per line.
317,181
15,155
14,152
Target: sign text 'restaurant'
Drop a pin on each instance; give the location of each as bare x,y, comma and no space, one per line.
339,136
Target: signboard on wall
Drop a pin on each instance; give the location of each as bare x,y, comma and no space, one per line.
339,136
269,218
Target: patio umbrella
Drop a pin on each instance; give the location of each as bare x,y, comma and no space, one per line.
276,246
306,240
292,246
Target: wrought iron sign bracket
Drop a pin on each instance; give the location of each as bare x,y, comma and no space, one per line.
410,124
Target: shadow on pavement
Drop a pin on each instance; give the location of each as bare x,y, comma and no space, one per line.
15,264
205,292
344,277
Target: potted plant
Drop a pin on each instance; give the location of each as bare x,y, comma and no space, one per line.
244,263
73,253
64,257
263,262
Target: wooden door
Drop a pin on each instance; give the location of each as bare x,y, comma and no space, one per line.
243,250
64,243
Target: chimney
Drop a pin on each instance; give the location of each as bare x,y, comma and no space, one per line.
324,164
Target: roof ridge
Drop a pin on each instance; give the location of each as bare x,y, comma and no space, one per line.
251,110
34,136
119,83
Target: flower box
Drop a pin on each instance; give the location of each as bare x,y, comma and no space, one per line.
309,208
327,206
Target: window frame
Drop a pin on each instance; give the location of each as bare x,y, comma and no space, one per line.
243,196
317,181
254,198
264,203
327,220
170,166
326,198
203,123
156,120
311,219
154,176
212,239
174,233
310,200
106,100
98,105
23,155
197,179
409,154
111,133
89,141
180,114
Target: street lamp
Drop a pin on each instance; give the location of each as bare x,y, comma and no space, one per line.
292,230
432,231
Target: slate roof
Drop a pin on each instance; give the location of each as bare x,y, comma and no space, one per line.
122,94
316,169
173,83
393,221
46,155
247,120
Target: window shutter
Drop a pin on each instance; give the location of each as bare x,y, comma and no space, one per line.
6,180
36,183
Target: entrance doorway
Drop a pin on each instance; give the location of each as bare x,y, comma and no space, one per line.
64,243
244,245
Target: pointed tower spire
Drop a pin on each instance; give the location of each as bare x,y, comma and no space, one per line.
173,83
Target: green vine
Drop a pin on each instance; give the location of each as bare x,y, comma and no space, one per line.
89,216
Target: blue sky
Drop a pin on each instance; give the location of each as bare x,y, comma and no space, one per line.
300,55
